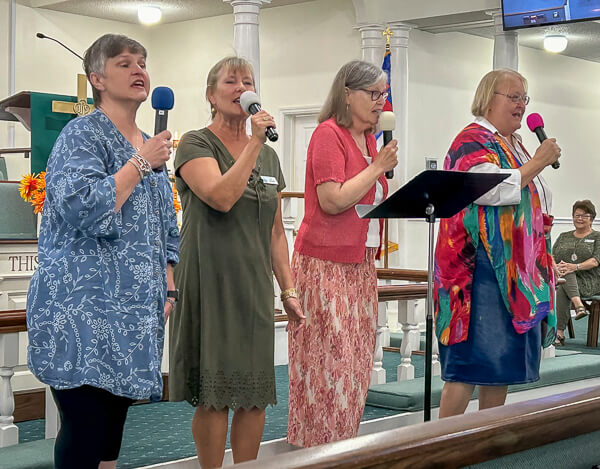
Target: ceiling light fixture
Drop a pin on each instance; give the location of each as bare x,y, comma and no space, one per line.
149,15
555,43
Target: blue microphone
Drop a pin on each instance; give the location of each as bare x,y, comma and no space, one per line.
163,100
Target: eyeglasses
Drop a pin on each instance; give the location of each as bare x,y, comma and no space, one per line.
377,95
515,98
582,217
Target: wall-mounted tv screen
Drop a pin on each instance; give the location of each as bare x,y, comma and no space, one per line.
529,13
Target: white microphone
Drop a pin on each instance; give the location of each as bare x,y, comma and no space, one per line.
250,103
387,123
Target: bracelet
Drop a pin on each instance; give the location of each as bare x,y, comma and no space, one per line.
143,163
171,301
139,170
288,293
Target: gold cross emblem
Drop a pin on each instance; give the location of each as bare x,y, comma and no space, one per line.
81,107
388,33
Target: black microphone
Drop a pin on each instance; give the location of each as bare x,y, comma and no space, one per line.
387,123
250,103
163,100
43,36
536,125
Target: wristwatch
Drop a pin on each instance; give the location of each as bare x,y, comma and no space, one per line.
173,294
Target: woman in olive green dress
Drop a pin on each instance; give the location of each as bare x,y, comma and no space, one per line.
577,256
232,241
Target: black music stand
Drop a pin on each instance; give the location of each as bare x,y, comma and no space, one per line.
432,194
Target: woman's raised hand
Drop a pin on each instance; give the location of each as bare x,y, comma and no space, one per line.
387,159
548,152
157,150
260,121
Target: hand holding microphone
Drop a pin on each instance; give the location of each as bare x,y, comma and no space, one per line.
163,100
250,103
387,155
157,150
548,151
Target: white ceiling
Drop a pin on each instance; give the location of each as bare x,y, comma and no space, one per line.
173,11
584,38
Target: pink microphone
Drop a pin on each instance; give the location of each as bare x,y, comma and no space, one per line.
536,125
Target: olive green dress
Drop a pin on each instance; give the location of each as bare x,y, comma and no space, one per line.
569,248
222,331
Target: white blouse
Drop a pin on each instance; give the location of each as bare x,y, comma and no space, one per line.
508,192
373,238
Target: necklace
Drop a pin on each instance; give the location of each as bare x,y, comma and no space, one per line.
576,245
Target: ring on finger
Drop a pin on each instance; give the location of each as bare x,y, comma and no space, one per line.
265,118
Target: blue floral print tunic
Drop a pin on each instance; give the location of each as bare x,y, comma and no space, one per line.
95,304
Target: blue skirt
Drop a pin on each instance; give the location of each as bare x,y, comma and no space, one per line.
493,354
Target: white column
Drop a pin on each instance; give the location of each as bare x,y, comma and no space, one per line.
378,372
245,32
51,416
410,333
372,42
506,44
9,358
399,87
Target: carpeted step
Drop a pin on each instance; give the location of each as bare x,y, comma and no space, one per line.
407,396
37,454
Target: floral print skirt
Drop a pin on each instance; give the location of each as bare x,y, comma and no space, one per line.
331,356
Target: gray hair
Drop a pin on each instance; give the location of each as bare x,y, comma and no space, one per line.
107,47
487,87
355,75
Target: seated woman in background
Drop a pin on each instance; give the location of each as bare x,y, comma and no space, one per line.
577,256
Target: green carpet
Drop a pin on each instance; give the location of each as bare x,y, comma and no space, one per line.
574,361
162,431
159,432
580,452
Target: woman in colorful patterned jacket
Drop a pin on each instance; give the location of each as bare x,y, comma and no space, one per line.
494,281
98,302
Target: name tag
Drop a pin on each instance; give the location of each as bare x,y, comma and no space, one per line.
588,240
269,180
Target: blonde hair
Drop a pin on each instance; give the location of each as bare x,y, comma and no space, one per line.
231,63
487,88
355,75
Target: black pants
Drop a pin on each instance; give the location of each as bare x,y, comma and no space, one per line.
92,421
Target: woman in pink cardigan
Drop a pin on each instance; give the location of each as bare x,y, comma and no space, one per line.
331,355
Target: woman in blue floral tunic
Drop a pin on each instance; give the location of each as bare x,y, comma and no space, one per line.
98,302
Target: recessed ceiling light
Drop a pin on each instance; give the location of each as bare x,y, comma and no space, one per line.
555,43
149,14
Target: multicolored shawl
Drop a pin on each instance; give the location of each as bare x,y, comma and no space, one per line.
513,237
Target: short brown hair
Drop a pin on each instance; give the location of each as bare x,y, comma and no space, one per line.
232,63
487,86
587,206
107,47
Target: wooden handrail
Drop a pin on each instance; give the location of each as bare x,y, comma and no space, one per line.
402,274
292,195
6,151
456,441
12,321
401,292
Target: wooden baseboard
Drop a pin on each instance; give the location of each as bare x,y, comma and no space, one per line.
31,404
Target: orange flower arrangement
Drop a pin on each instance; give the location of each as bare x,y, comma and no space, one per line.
176,202
33,190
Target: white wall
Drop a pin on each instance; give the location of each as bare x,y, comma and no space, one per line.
303,46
